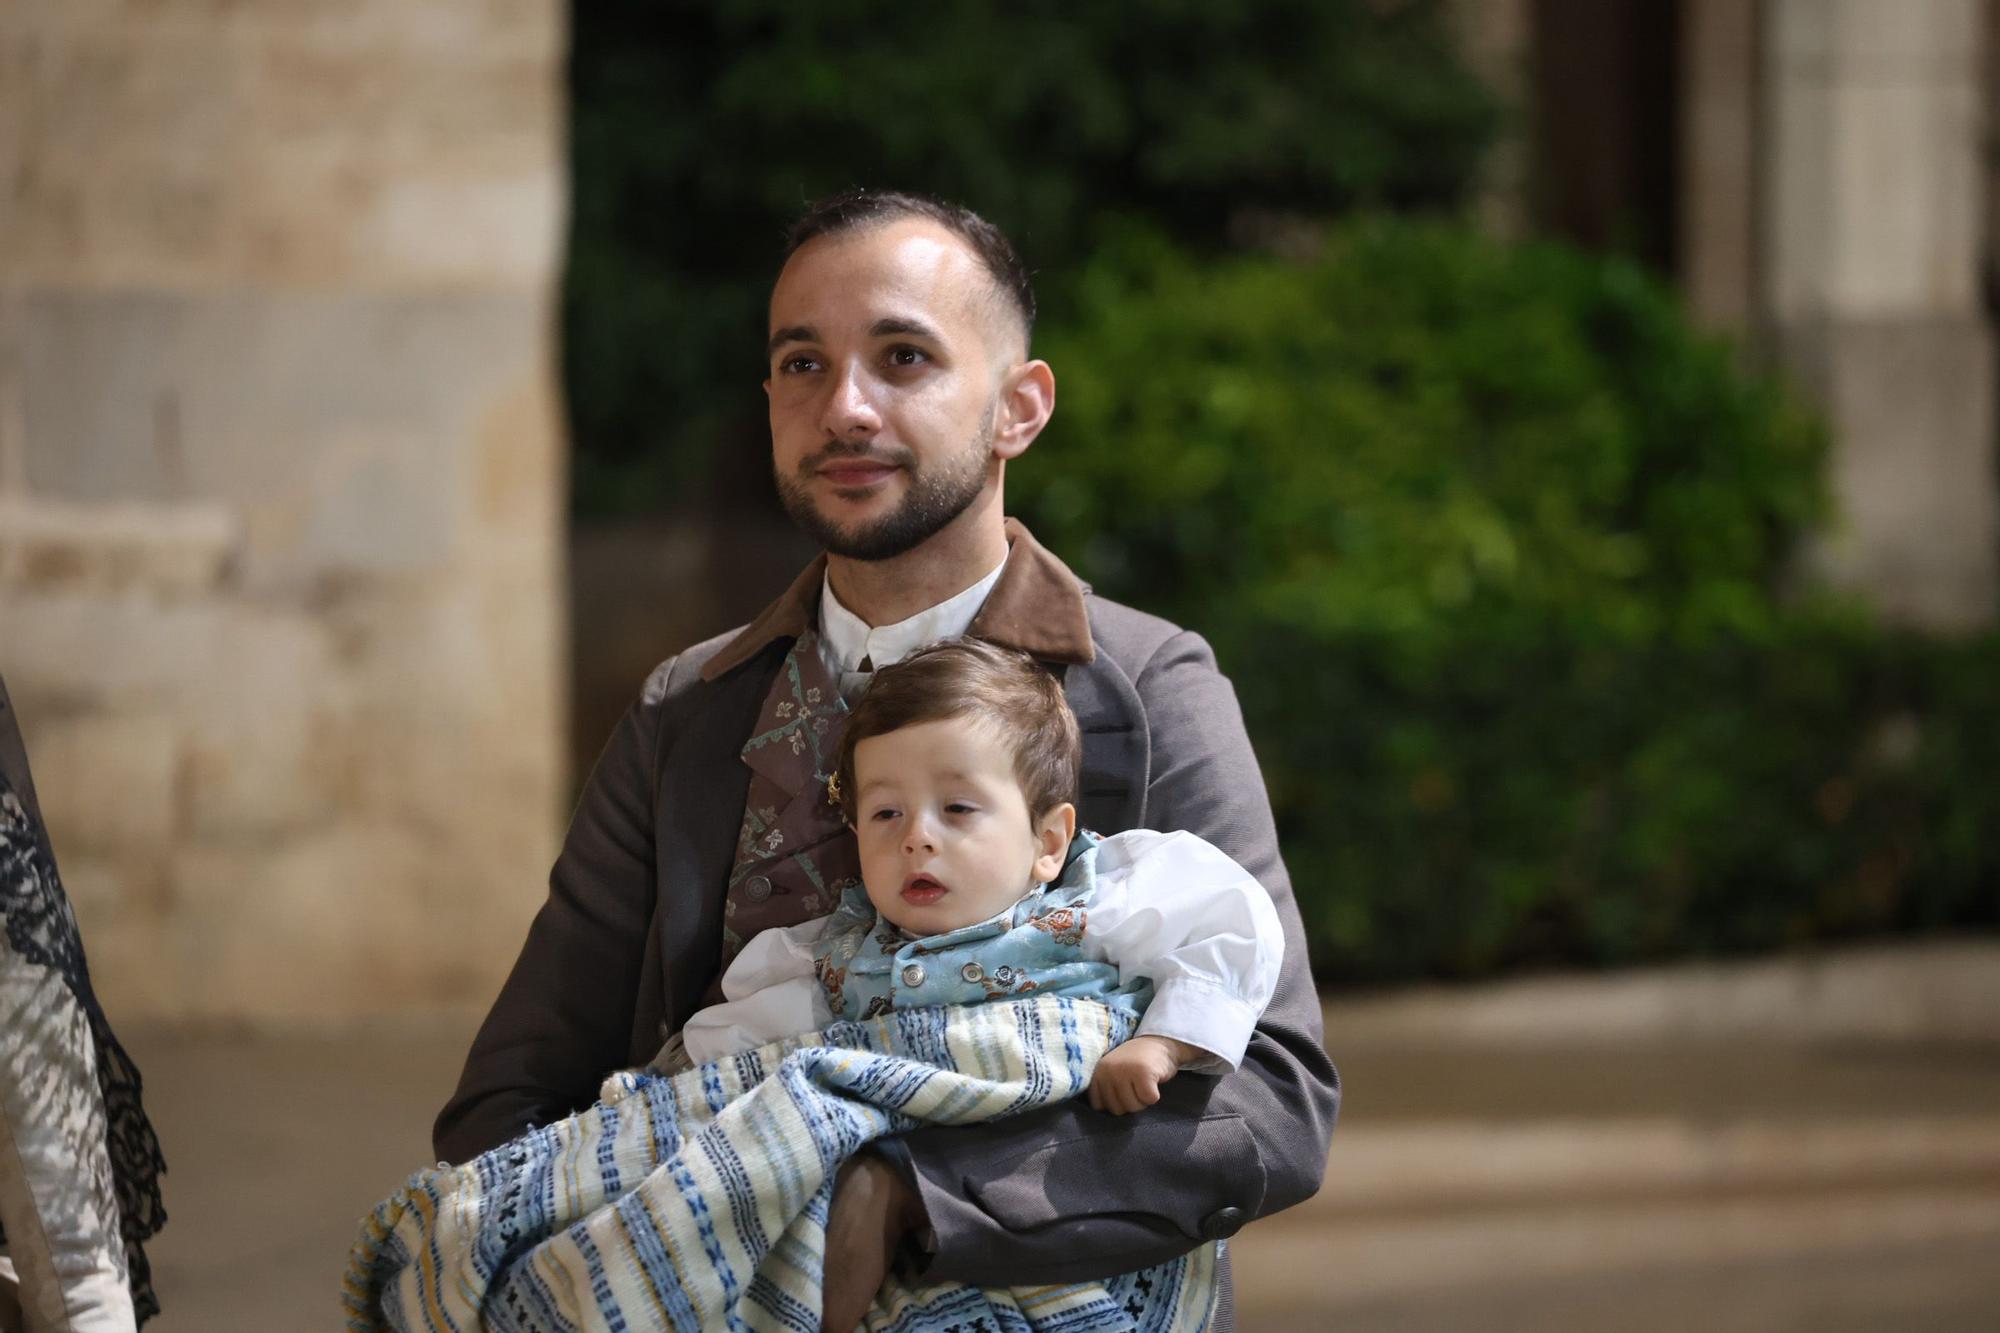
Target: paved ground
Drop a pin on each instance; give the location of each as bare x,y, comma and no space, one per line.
1831,1185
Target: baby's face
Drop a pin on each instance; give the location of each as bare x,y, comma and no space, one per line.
943,826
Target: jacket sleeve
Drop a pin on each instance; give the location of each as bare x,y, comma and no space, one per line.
1068,1194
563,1017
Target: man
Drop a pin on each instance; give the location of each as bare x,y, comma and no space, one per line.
900,387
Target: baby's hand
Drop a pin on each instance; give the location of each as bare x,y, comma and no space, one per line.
1130,1074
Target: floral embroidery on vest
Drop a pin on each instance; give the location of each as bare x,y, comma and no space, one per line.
868,967
795,855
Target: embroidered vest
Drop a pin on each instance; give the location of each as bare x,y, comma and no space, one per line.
795,855
868,967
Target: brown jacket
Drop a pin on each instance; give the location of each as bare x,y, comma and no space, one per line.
630,938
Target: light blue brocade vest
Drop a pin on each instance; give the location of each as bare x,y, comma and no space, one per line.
868,967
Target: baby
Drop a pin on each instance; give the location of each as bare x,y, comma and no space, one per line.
959,772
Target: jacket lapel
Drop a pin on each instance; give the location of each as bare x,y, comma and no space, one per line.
1117,752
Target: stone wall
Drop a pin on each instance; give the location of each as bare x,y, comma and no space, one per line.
281,489
1874,141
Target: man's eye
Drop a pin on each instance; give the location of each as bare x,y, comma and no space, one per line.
793,365
907,356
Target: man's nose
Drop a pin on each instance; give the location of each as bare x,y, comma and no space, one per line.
850,413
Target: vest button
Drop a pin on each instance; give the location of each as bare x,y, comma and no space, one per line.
972,973
757,888
913,975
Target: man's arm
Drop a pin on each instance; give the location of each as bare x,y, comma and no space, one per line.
564,1017
1068,1193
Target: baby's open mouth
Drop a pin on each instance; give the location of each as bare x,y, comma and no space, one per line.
922,889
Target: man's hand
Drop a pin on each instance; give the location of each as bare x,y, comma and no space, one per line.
1129,1076
872,1211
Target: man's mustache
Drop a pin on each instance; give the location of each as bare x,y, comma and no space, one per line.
836,452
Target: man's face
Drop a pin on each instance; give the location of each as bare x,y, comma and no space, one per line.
888,348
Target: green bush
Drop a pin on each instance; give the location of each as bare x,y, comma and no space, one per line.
1491,543
698,132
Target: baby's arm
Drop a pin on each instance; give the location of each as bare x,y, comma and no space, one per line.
1173,908
769,992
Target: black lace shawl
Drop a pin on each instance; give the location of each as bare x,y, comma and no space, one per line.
42,929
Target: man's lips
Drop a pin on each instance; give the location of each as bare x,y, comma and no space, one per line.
856,472
922,890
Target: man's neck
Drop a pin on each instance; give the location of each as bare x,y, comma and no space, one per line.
964,551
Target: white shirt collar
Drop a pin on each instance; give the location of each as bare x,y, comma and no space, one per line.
845,640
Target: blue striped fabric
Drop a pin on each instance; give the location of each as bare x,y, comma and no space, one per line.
699,1200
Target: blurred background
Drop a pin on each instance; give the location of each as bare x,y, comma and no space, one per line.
1572,422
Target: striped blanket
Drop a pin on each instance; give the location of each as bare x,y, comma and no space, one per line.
699,1200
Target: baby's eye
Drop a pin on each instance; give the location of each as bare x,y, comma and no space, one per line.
884,813
960,808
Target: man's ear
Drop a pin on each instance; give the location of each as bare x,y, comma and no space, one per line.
1027,401
1053,832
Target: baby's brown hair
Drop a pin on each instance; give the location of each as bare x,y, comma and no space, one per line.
1003,687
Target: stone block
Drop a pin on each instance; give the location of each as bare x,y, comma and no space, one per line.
1913,414
492,228
252,143
98,888
440,26
382,502
338,926
132,146
1873,145
122,907
299,930
136,967
70,650
1796,228
336,425
1904,202
107,782
172,549
1908,39
1802,36
266,777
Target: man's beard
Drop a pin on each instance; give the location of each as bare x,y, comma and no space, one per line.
936,496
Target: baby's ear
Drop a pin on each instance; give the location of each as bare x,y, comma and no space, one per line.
1053,832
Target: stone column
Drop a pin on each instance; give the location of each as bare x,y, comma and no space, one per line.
1873,136
1717,235
1497,37
281,489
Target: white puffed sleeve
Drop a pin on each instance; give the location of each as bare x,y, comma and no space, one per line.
768,992
1176,909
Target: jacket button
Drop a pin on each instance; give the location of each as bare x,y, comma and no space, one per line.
913,975
1222,1223
972,973
757,889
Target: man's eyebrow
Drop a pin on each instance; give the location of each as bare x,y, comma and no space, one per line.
915,328
797,333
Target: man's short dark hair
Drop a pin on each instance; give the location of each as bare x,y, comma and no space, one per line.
857,210
1003,688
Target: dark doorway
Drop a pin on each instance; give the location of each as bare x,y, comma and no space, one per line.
1604,136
